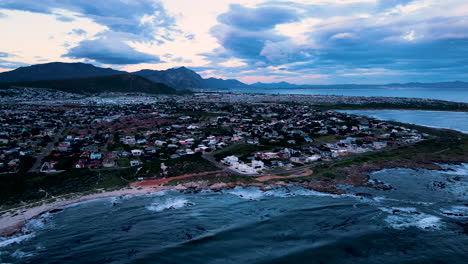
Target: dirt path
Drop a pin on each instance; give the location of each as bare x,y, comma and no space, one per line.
47,150
158,182
303,173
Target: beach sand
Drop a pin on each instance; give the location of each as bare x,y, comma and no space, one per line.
12,221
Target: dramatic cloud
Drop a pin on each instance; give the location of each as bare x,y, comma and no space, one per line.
145,18
142,21
107,51
401,38
256,19
249,33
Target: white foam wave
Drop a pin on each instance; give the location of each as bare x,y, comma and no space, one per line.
248,193
21,254
406,217
4,242
380,199
169,204
255,193
461,169
456,211
42,222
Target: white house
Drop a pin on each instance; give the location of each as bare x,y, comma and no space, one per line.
231,160
160,143
258,165
134,163
313,158
137,152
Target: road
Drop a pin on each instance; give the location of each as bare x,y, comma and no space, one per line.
47,150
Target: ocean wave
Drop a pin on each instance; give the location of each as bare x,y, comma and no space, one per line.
248,193
380,199
456,211
169,204
255,193
18,254
18,239
461,170
406,217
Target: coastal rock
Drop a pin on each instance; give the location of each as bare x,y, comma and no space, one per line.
364,194
217,187
53,211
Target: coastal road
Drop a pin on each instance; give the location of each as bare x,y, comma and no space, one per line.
47,150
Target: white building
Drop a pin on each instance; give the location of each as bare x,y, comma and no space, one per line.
313,158
137,152
231,160
258,165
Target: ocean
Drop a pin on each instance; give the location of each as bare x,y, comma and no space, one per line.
448,94
422,220
438,119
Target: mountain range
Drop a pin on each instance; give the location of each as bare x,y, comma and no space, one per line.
127,83
87,78
183,78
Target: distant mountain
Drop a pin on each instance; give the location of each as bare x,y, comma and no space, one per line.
285,85
116,83
183,78
214,83
455,84
56,71
278,85
178,78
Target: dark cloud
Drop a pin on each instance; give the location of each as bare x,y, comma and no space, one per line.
118,16
387,4
5,64
244,32
78,31
242,43
64,18
107,51
137,21
181,60
345,46
256,19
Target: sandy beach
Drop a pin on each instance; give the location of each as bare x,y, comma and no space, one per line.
12,221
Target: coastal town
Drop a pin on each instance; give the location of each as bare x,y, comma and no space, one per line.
243,134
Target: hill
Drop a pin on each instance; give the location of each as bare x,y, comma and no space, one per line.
183,78
214,83
178,78
116,83
56,71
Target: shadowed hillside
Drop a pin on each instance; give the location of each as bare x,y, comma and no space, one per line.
115,83
56,71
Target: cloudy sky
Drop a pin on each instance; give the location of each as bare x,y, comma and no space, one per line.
299,41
